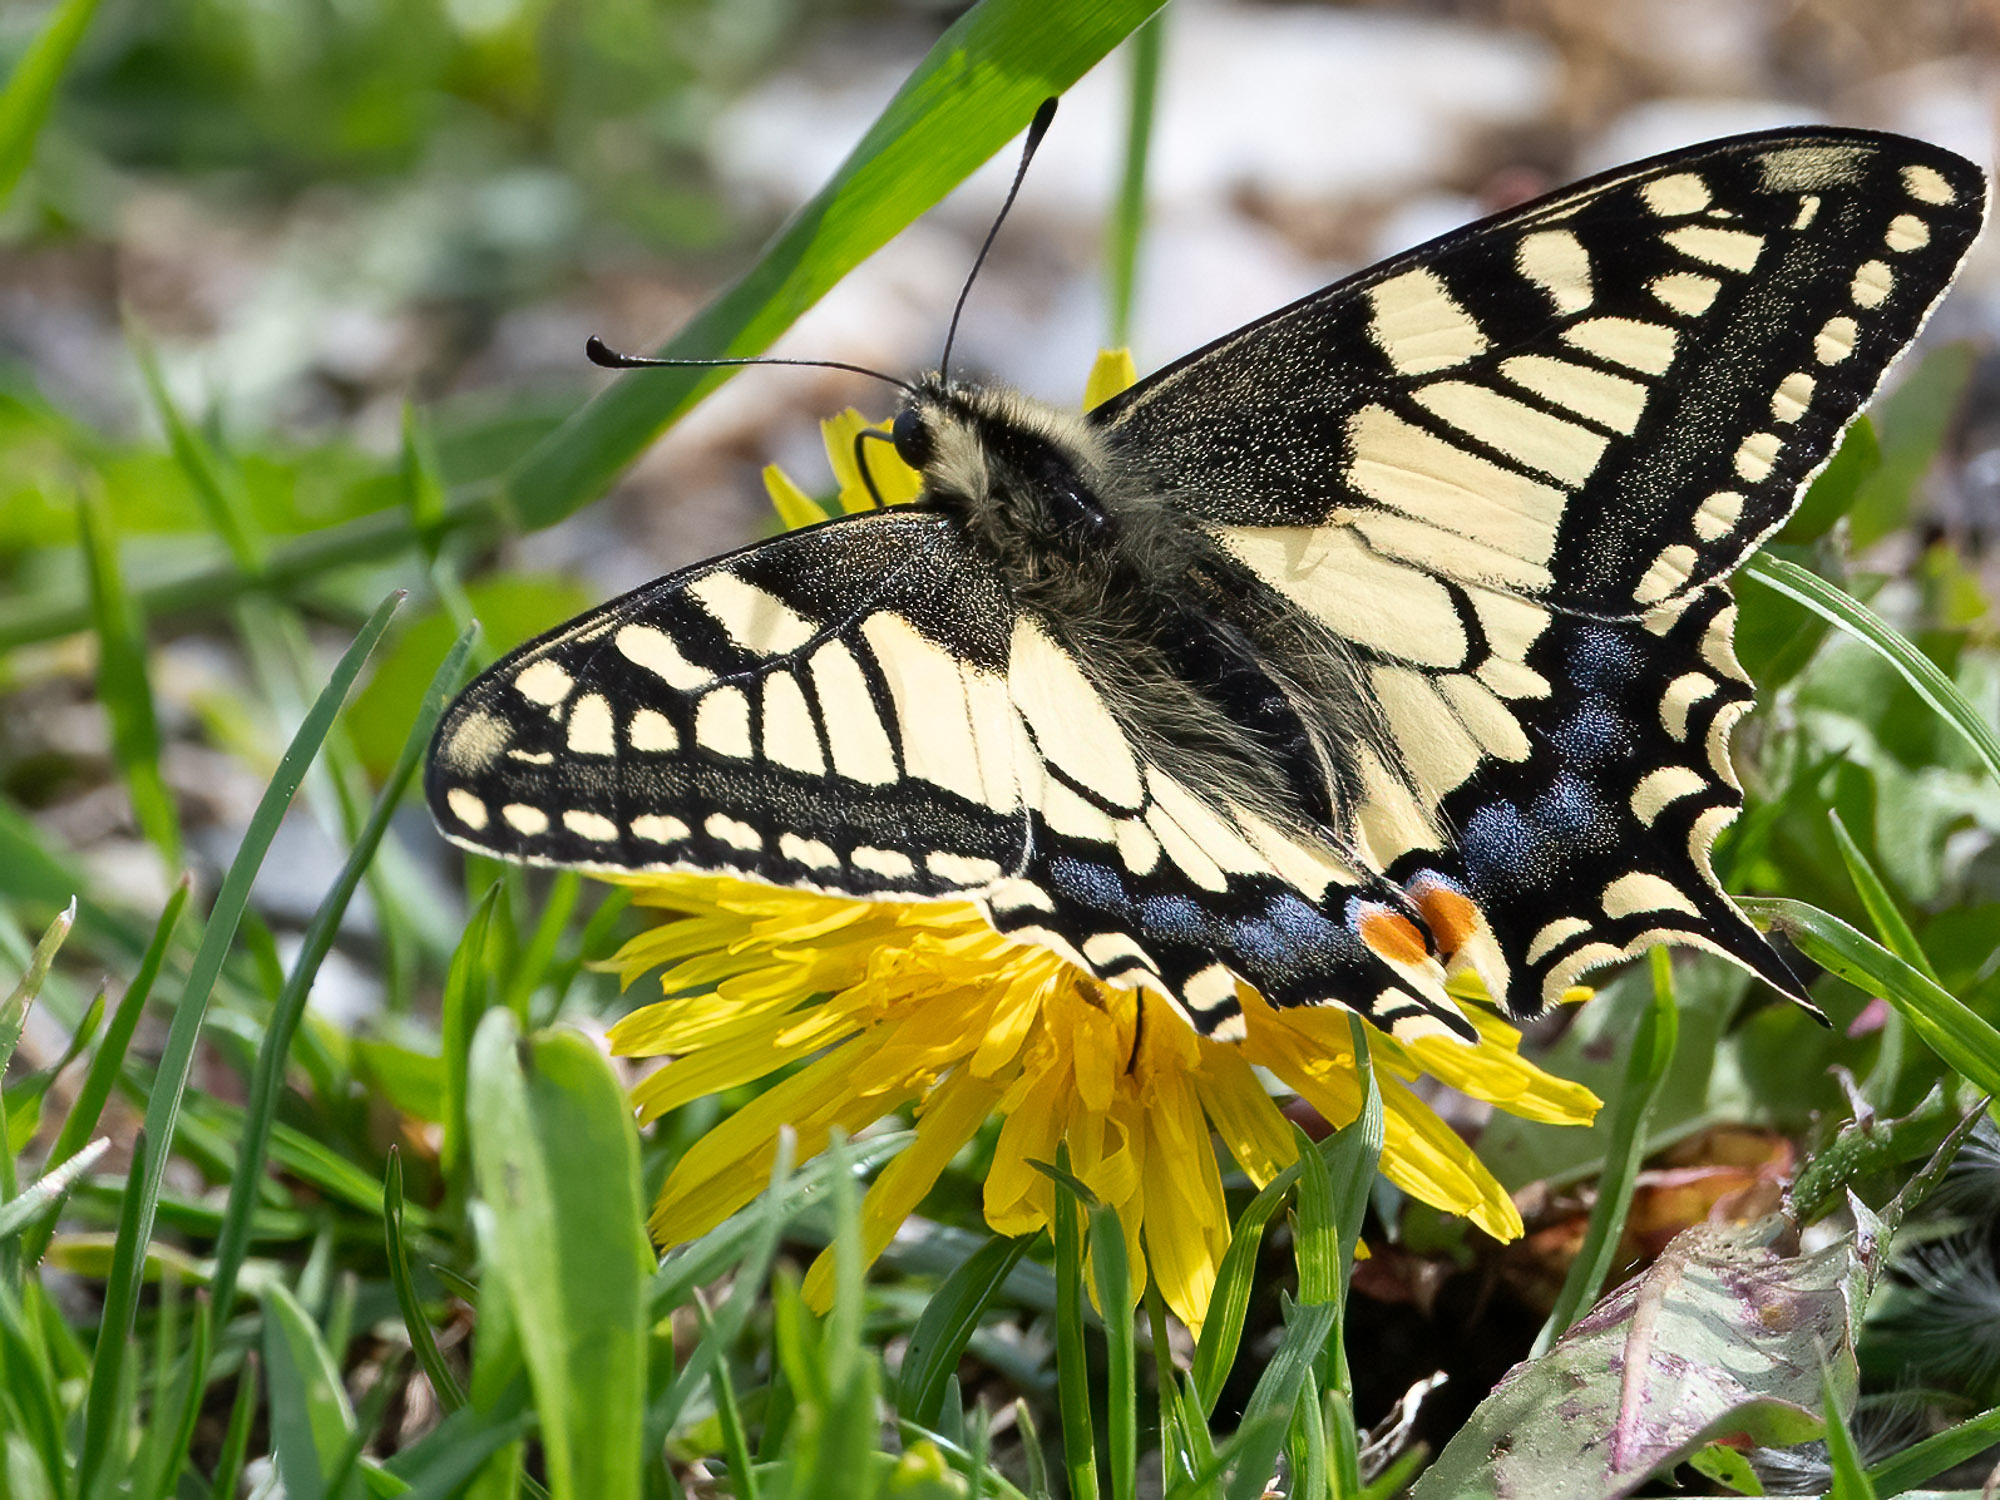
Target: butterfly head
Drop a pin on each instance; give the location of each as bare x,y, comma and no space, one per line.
1027,480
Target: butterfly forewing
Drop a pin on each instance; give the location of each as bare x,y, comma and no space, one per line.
817,711
1599,400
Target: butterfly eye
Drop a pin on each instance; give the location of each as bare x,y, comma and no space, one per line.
912,437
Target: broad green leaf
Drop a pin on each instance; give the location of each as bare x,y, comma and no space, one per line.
556,1158
1720,1335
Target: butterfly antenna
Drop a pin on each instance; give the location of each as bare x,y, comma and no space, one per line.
1037,128
601,353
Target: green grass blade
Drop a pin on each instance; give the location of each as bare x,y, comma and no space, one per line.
14,1009
311,1421
47,1192
31,88
1646,1068
1229,1304
467,993
177,1057
946,1325
1880,905
236,1438
215,486
1315,1233
1128,220
1960,1038
1901,941
1861,622
840,1463
450,1394
103,1412
1113,1273
123,686
1850,1479
556,1159
1253,1454
975,91
1079,1442
105,1066
267,1079
33,1391
1936,1453
748,1275
171,1424
735,1443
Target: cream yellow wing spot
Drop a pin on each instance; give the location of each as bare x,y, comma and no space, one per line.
1419,325
754,619
1529,436
790,738
1555,261
859,744
544,682
722,722
1632,342
1732,249
590,730
1073,729
652,648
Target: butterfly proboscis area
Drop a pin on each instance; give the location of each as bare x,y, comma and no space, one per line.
1382,638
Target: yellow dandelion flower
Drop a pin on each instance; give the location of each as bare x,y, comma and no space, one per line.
882,1005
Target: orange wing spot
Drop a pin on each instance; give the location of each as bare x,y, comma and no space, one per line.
1451,917
1393,937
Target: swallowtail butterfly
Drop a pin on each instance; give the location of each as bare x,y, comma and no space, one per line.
1383,637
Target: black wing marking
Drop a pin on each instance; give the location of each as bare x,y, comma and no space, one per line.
858,708
824,710
1601,400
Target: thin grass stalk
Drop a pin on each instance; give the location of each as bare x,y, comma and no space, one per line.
267,1080
1079,1442
163,1108
1901,941
1645,1070
1861,622
1128,222
108,1062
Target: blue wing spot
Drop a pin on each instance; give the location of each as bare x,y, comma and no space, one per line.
1601,660
1594,733
1095,886
1502,847
1571,811
1174,917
